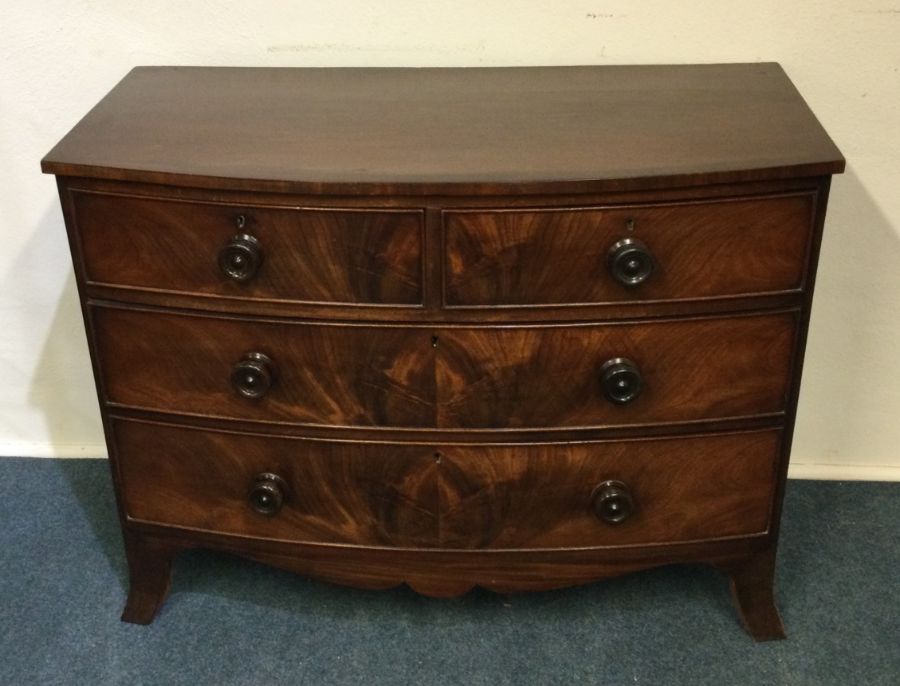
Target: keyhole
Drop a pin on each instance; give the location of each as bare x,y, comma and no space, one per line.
437,458
434,341
629,224
240,221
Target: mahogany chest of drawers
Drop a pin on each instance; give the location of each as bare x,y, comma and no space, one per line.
514,328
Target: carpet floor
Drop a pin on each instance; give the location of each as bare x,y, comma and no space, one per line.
230,621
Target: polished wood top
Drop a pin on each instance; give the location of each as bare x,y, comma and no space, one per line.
501,130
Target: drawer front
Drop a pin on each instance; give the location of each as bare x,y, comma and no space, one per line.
526,377
331,492
554,377
668,490
549,496
302,255
563,256
317,374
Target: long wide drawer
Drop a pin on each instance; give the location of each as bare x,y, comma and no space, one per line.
470,378
617,493
667,251
252,252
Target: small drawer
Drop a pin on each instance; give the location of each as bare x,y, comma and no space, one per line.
655,252
620,493
277,488
251,252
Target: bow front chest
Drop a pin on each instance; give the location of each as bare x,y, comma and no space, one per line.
517,328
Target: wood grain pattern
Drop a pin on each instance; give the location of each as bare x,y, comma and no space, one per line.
539,496
513,377
310,255
544,257
448,496
334,375
449,131
446,378
432,312
337,492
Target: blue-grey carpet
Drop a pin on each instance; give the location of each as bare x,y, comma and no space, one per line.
229,621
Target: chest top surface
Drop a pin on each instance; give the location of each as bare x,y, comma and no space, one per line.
445,130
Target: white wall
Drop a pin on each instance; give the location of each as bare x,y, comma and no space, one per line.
58,57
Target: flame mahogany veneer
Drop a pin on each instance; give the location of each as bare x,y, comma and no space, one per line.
514,328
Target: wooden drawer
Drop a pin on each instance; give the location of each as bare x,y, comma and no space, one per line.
455,496
335,492
548,496
339,256
699,250
470,378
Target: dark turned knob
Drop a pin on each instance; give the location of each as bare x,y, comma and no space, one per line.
267,494
241,257
621,380
612,502
630,262
253,376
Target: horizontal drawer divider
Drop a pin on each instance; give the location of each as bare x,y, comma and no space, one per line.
389,435
117,296
423,319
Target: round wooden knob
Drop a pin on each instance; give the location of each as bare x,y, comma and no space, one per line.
612,502
629,261
253,376
621,380
267,494
241,257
